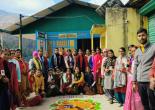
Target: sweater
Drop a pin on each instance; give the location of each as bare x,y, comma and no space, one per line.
143,63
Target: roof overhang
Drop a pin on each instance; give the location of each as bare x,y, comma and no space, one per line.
48,11
136,3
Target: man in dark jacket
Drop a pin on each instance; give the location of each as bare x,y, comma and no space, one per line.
57,61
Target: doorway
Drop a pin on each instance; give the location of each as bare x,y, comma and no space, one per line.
96,43
84,44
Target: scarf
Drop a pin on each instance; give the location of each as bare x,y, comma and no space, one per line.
1,65
55,60
77,76
70,61
22,65
142,48
18,71
81,63
50,78
37,64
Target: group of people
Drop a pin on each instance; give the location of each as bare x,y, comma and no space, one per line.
128,78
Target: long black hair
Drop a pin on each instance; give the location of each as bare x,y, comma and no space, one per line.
110,50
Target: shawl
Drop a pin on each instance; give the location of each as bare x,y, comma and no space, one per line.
69,61
97,62
102,65
22,65
18,71
55,60
81,62
37,63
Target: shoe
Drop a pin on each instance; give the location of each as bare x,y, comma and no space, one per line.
111,102
120,105
81,93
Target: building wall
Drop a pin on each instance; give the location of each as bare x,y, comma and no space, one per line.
78,18
134,23
121,27
114,28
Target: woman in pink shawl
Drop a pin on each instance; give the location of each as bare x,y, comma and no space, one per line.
97,70
97,64
132,100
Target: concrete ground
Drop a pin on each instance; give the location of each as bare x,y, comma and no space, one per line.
105,105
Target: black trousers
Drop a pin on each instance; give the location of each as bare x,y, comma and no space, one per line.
147,96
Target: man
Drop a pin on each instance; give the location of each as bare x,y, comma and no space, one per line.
43,61
69,60
57,60
143,60
47,60
44,64
62,51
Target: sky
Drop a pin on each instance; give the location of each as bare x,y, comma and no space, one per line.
29,7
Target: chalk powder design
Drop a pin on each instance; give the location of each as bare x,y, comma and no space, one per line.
75,104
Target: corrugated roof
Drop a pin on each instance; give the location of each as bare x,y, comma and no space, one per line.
48,11
136,3
148,8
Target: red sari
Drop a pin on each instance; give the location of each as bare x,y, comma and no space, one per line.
14,89
24,74
97,66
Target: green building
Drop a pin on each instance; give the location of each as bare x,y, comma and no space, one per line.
66,24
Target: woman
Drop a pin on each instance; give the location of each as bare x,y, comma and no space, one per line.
67,79
120,77
97,66
132,99
81,61
105,56
97,71
78,81
108,71
35,62
91,60
69,60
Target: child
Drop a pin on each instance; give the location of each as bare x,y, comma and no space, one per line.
39,82
67,79
78,82
52,89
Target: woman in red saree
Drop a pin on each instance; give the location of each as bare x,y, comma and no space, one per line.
97,65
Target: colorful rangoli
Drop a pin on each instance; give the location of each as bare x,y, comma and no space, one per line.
75,104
